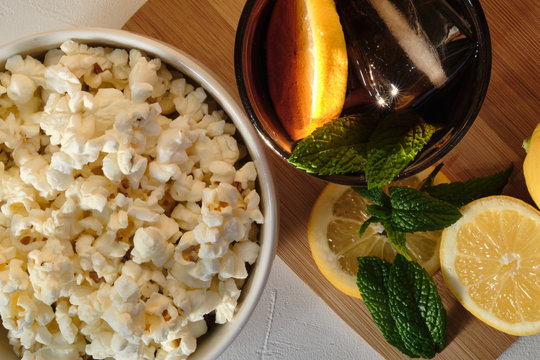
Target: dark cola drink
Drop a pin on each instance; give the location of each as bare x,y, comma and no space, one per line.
419,54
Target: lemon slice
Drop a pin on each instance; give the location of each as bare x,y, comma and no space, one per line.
490,261
335,245
306,59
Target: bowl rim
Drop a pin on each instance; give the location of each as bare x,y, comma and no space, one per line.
484,52
225,334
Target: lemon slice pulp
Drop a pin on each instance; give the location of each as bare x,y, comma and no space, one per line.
490,260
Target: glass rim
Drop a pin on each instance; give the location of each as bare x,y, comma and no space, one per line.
483,54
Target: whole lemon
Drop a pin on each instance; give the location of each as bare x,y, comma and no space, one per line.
531,165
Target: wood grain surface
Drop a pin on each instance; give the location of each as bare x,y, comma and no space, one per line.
205,29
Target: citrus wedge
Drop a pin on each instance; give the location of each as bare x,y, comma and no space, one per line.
335,245
531,166
306,61
490,260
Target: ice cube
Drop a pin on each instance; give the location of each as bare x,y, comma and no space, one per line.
402,51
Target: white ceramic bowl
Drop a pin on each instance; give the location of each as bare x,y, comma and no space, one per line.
221,336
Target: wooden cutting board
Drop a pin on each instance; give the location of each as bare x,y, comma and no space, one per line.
205,29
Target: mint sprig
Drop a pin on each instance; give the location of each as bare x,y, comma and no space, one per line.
412,308
338,147
404,304
396,141
380,147
416,307
433,207
406,210
414,210
372,280
461,193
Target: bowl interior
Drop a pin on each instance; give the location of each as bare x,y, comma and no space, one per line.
462,95
218,337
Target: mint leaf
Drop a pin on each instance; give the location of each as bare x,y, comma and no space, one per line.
375,195
461,193
413,210
416,308
397,239
338,147
404,304
394,144
372,276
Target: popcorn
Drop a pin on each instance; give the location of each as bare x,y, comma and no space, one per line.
34,172
207,151
246,175
110,245
43,336
105,343
127,287
151,245
143,79
16,196
252,210
51,271
132,165
187,188
103,267
91,224
60,224
25,312
191,105
81,101
162,172
52,57
92,193
59,79
84,298
28,66
172,145
189,267
233,265
81,59
203,301
216,127
120,68
26,232
124,317
21,88
140,91
161,315
228,148
148,210
229,297
118,220
10,131
120,227
187,216
14,278
222,172
218,203
65,323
